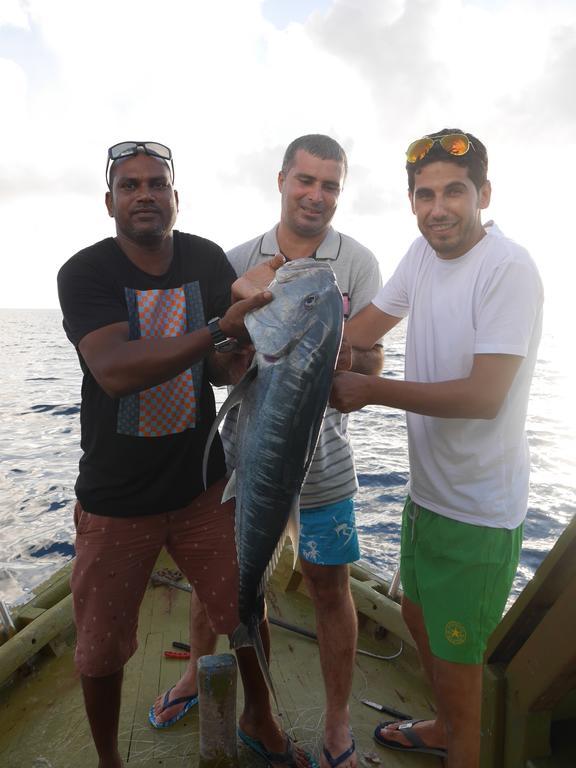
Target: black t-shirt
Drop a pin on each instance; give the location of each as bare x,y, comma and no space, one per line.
142,454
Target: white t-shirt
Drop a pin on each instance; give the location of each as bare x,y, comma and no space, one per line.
487,301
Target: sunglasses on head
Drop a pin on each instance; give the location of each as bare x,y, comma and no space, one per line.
130,148
456,144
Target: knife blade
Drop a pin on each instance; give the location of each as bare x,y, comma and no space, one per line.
387,709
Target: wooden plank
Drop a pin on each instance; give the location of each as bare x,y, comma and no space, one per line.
563,746
549,581
43,719
493,717
32,638
380,609
537,678
164,617
54,589
527,735
28,614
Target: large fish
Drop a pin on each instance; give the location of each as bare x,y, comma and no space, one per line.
282,398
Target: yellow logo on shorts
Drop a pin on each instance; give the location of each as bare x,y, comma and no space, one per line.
455,633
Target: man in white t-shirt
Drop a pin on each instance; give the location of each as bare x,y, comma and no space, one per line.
474,302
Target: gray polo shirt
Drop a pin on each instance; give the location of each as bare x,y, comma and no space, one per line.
332,476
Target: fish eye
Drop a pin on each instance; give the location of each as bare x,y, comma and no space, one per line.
311,300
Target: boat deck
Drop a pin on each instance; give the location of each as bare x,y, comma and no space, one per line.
44,725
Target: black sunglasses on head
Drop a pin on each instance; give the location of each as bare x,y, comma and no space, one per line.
130,148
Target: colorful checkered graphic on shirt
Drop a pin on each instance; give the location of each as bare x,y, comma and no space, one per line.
161,313
170,407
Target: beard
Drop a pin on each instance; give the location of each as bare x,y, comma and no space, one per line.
147,238
147,234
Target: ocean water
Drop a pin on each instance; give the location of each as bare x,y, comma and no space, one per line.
39,452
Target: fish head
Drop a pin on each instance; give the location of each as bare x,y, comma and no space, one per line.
306,310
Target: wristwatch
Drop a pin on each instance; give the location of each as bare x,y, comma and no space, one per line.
221,342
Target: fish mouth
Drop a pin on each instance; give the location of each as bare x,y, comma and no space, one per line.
282,352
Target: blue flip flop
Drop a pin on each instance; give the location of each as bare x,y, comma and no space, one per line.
334,762
188,701
284,758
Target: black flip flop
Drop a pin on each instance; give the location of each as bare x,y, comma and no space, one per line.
416,743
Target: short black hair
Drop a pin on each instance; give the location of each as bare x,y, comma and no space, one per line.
318,145
476,159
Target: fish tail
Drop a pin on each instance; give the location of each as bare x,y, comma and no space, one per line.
248,635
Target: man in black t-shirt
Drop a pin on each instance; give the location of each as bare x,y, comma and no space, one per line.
137,308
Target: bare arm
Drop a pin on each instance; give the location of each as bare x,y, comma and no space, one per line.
122,366
479,396
355,353
369,361
368,326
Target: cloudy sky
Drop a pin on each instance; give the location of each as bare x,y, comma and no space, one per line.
227,84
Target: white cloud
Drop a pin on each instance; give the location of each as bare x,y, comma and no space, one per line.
227,90
13,87
12,13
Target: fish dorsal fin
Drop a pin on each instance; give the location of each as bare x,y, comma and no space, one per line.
230,490
235,397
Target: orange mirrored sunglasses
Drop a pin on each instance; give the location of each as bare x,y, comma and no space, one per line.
454,143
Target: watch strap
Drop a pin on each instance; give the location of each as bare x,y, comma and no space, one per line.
222,343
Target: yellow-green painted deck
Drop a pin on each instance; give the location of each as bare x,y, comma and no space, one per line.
529,701
42,718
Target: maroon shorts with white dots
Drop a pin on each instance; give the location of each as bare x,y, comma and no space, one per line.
115,557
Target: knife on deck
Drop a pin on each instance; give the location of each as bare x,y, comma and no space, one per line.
388,710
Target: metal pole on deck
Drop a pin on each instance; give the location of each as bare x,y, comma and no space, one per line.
7,628
217,711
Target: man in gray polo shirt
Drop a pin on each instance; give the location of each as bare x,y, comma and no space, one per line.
310,181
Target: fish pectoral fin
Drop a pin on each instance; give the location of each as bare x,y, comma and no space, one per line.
293,528
231,401
230,490
239,390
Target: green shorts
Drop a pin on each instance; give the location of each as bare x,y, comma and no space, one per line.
460,575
